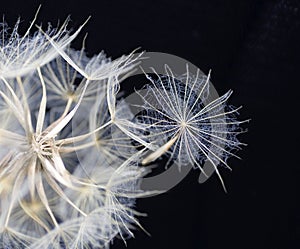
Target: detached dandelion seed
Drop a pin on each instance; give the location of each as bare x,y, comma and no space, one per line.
182,125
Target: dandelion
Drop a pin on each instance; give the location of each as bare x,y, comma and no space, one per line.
71,151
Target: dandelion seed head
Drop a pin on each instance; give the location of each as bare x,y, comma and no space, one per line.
71,148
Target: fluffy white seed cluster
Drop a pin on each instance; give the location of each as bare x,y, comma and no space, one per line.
70,151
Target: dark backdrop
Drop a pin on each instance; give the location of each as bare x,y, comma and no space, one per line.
253,48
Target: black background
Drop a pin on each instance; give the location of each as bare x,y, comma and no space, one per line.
253,48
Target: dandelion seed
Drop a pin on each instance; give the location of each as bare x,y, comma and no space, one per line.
65,84
181,125
20,55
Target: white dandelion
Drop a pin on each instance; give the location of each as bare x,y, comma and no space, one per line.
71,149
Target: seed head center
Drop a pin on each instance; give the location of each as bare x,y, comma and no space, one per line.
183,124
42,147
